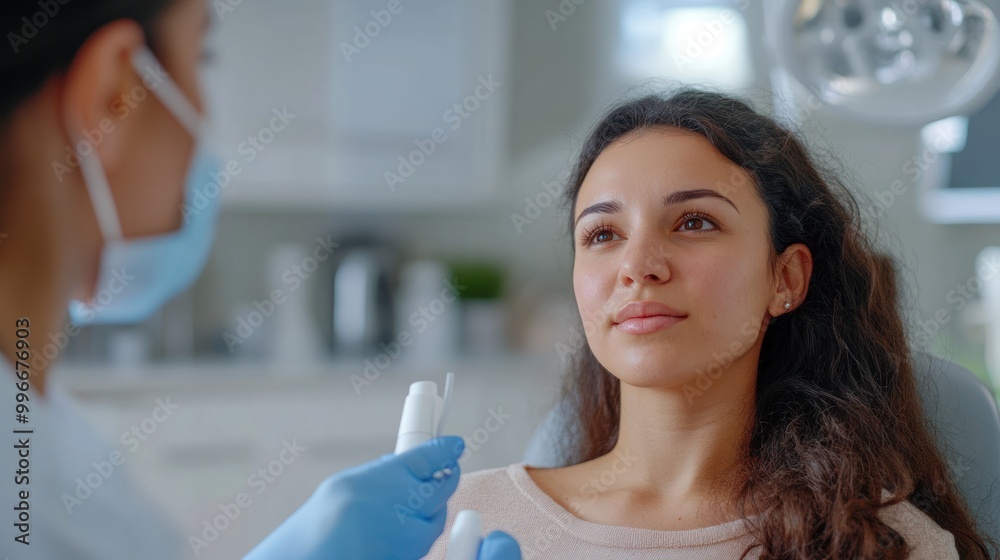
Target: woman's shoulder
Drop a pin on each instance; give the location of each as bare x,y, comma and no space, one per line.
496,494
495,484
927,540
487,475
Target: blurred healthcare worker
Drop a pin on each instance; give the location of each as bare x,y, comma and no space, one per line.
102,168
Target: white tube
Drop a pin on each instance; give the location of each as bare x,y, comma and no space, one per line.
449,382
466,536
421,411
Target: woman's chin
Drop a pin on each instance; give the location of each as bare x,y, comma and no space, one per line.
653,374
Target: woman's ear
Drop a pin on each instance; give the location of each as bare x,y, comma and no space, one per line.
793,274
101,71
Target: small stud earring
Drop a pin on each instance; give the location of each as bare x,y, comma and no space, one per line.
788,304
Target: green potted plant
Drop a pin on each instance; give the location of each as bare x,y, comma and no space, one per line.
484,315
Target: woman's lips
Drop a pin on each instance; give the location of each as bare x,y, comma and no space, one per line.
645,325
641,317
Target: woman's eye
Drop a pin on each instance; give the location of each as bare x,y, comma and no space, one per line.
697,223
597,236
602,236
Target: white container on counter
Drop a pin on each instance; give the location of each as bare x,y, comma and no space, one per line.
428,312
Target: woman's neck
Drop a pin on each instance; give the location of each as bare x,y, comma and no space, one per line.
30,291
673,449
45,244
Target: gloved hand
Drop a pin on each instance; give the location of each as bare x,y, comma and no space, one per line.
499,546
390,508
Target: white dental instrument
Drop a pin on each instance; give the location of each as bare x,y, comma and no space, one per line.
466,536
424,413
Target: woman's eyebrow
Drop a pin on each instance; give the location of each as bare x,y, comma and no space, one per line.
613,206
680,196
607,207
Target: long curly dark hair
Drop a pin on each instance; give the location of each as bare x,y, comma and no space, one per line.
838,415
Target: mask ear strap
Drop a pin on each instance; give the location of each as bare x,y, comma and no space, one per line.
96,182
100,195
160,83
94,177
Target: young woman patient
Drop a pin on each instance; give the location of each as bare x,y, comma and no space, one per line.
746,390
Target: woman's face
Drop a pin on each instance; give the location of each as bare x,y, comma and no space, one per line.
670,231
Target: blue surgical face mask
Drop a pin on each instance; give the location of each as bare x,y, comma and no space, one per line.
138,276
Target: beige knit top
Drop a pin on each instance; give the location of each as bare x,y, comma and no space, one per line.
509,500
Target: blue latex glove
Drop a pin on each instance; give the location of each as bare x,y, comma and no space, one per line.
390,508
499,546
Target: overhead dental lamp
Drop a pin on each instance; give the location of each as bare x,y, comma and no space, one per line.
892,61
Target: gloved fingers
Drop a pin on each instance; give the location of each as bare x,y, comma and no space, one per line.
499,546
428,498
437,454
421,532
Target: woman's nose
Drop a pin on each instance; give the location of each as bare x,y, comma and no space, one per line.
644,261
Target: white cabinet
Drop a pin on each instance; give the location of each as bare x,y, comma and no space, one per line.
350,104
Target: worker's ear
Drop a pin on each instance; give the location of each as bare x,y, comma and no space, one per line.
99,75
794,270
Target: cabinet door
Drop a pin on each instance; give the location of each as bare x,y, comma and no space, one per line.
348,104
